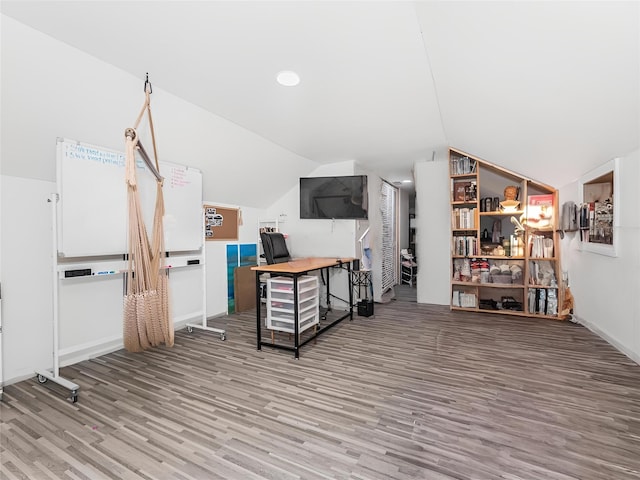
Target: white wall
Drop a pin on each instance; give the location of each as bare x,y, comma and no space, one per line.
51,90
433,231
606,289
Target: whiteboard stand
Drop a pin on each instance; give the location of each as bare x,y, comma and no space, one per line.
203,325
54,374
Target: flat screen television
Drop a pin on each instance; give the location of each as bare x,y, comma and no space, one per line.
343,197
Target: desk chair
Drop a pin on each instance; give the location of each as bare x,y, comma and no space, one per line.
275,247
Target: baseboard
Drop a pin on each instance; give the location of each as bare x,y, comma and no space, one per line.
89,350
86,351
610,340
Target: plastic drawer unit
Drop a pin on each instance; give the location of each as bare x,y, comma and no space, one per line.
281,303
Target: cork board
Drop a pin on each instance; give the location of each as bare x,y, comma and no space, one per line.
220,223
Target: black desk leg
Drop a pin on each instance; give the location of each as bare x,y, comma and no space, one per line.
350,291
328,290
258,313
296,318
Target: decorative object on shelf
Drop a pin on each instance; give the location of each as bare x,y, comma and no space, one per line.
517,224
569,217
509,206
496,231
471,193
540,211
511,192
510,202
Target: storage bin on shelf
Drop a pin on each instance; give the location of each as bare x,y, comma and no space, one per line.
502,278
483,271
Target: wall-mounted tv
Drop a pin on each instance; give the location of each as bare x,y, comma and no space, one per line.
343,197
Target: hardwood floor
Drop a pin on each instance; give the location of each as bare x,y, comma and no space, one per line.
413,392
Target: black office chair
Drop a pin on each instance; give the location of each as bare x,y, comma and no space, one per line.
275,247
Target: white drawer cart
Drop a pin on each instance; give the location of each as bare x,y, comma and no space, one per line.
282,304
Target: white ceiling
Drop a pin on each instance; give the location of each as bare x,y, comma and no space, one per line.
547,89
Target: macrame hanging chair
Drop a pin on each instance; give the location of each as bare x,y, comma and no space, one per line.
146,320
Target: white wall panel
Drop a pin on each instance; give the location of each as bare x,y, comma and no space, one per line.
27,300
433,231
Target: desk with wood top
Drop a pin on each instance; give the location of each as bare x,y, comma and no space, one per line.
295,269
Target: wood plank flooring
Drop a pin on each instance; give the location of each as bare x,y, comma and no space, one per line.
413,392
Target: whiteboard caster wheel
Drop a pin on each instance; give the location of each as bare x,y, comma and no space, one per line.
42,379
223,337
74,397
189,329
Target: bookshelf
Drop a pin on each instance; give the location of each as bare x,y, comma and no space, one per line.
504,241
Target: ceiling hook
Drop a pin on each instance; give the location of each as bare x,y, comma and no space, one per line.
147,83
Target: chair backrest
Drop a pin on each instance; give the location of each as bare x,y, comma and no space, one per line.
275,247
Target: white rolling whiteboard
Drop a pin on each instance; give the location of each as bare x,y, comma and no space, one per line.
92,208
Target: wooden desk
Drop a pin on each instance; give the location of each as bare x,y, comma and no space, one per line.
295,269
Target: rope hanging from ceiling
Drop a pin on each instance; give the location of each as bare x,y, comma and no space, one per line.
146,319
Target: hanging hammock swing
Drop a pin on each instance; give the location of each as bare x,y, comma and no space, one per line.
146,320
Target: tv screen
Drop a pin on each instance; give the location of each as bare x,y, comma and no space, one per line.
334,197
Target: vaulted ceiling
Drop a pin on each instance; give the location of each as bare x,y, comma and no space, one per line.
547,89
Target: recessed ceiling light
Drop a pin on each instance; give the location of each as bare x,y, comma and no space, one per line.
407,181
288,78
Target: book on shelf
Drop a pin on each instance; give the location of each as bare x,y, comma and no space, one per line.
460,190
465,246
540,210
543,301
465,191
540,246
462,299
596,222
462,166
463,218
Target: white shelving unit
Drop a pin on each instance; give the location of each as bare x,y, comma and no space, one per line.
281,304
409,269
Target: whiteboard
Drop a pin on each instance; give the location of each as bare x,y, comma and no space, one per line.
92,207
